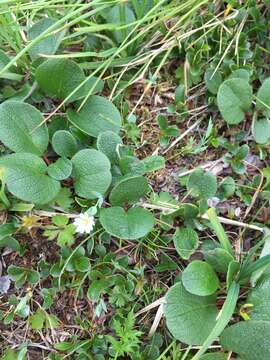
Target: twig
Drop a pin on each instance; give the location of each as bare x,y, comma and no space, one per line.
235,223
51,214
223,220
203,166
156,321
185,133
151,306
254,198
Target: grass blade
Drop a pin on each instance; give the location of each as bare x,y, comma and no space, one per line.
224,317
219,231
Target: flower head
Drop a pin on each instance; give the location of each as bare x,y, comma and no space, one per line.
84,223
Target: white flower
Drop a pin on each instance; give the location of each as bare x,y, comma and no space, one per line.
84,223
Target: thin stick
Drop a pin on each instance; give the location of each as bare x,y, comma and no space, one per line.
156,321
258,190
51,214
205,216
235,223
209,165
151,306
185,133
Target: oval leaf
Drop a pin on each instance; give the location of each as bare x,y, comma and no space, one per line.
186,242
261,130
153,163
96,116
131,165
263,97
108,142
91,172
64,143
20,128
129,190
259,297
202,184
130,225
219,259
190,318
212,80
61,169
58,78
200,279
234,98
26,178
47,46
249,339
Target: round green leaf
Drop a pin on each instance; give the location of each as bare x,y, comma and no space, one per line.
188,211
153,163
91,172
47,46
64,143
26,178
226,188
20,128
260,298
186,242
219,259
263,97
202,184
248,339
212,80
131,225
107,142
82,263
240,73
60,77
61,169
114,16
261,130
129,190
96,116
131,165
234,98
190,318
200,279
